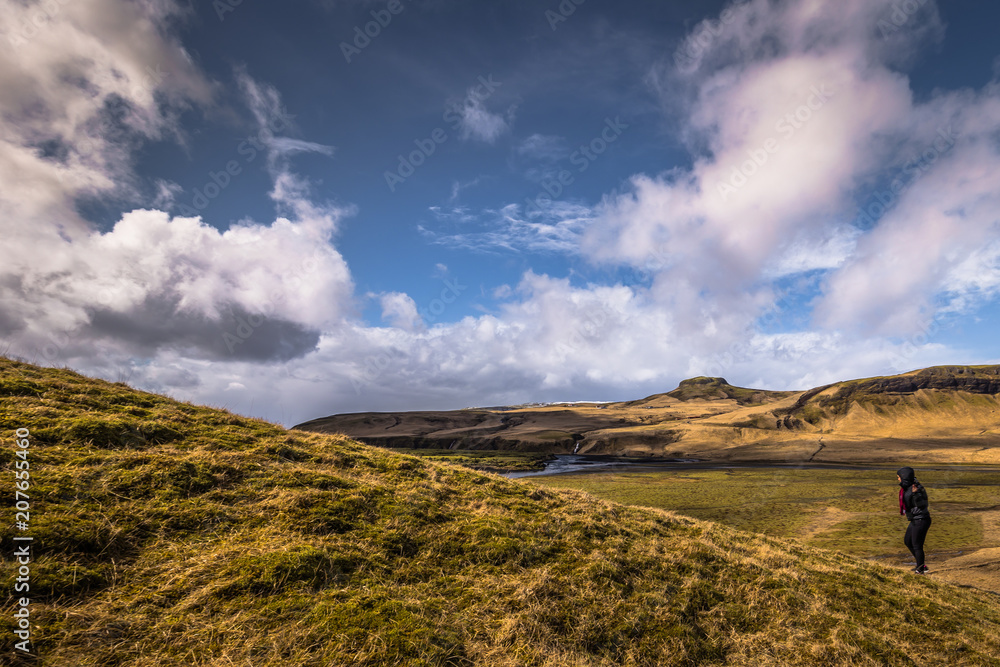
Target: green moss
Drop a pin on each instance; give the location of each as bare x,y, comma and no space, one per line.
296,567
111,432
20,387
56,578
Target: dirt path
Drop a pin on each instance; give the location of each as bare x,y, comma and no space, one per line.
980,569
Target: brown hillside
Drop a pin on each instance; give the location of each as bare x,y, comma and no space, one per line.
942,414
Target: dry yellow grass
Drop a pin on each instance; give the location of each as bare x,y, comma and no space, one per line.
177,535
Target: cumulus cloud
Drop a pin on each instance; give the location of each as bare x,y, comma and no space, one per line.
550,341
152,282
797,115
798,119
253,291
82,82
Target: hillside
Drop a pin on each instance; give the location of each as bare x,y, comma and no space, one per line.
171,534
941,414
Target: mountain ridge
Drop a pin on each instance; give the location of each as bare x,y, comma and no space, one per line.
953,408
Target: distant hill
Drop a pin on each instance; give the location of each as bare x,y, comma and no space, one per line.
172,534
944,414
707,388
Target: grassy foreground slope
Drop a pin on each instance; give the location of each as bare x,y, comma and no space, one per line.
171,534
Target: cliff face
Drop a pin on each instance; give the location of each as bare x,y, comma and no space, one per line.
706,417
837,399
550,429
972,379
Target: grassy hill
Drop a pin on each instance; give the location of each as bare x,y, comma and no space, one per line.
172,534
941,414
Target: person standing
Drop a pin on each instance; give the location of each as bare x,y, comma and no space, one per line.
913,503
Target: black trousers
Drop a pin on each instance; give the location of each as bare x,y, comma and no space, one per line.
914,538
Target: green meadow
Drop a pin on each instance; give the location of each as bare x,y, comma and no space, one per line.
855,511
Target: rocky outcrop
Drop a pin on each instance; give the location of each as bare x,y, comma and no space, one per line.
717,388
974,379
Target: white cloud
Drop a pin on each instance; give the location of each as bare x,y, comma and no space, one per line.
400,311
796,113
152,282
544,147
166,194
477,122
552,341
940,239
80,81
811,84
264,102
556,229
457,187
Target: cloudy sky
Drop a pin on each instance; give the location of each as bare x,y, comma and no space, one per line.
297,209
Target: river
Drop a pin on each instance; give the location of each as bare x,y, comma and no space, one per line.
579,463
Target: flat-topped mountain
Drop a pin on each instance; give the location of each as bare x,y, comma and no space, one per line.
944,413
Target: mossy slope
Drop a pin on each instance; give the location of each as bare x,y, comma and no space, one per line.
169,534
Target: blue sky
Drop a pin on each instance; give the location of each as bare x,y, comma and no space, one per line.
267,209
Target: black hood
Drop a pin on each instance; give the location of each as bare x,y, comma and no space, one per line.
906,476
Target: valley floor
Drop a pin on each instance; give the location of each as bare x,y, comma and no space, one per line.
853,511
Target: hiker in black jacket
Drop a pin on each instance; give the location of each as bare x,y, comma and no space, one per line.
913,502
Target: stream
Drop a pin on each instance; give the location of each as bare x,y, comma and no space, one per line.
580,463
